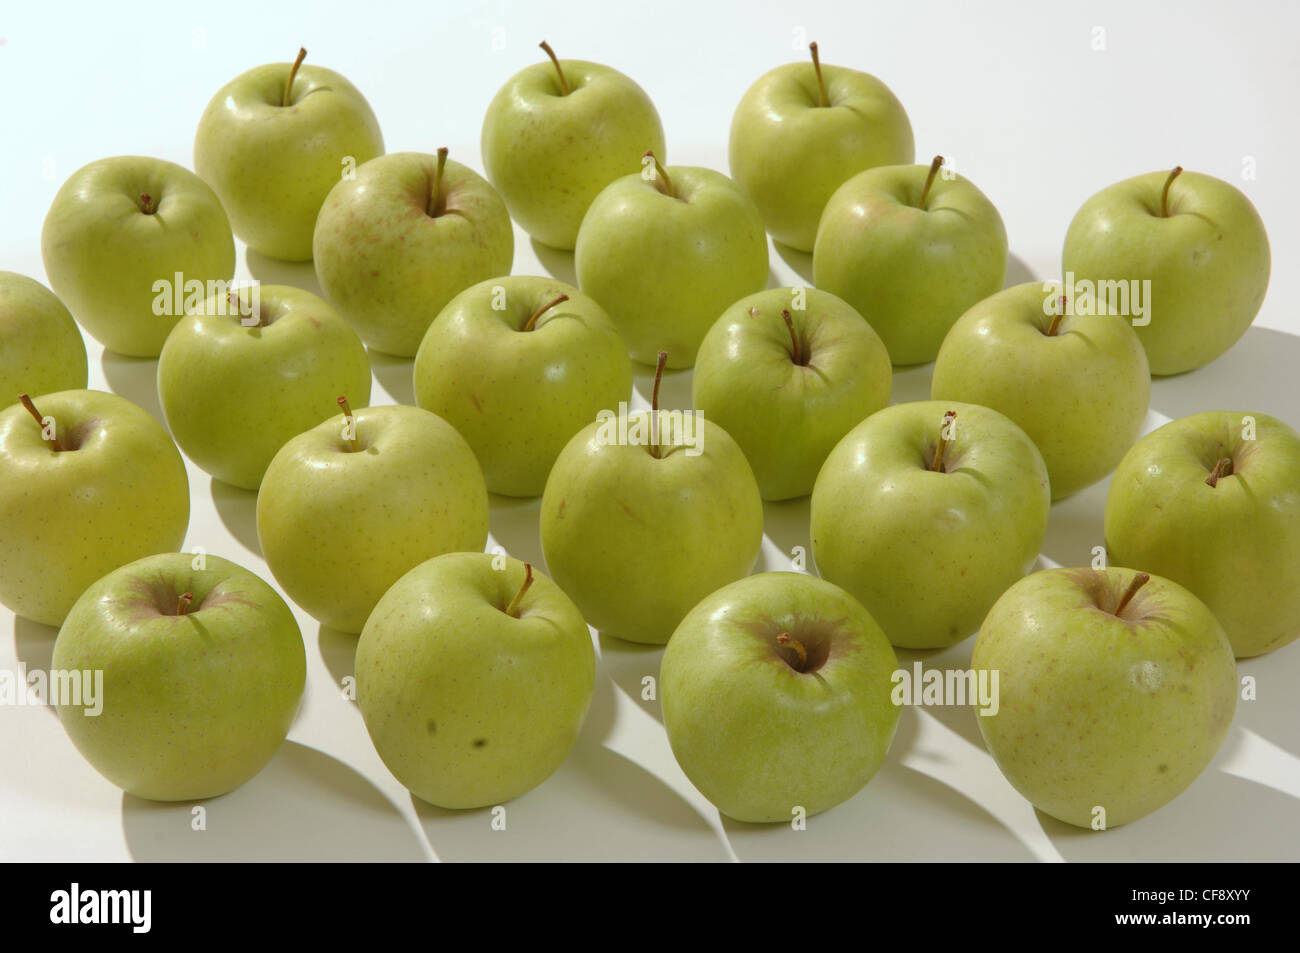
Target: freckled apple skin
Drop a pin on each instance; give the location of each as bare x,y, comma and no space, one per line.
1095,710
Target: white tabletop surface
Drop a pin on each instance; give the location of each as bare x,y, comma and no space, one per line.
1017,93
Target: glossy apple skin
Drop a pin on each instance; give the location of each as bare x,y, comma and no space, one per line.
758,737
41,349
1236,545
518,396
468,706
339,527
1081,394
665,266
233,395
69,517
1208,261
196,704
1100,710
927,552
103,253
271,164
388,265
550,154
791,154
913,272
787,417
636,540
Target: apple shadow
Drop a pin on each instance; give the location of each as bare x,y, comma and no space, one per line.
1075,525
800,262
1272,713
785,527
395,376
911,383
272,271
1257,374
34,648
961,720
515,526
136,379
626,664
674,387
238,511
303,806
557,262
338,650
1018,272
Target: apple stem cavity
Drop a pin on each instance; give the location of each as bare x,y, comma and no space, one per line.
564,83
1056,318
348,419
662,182
941,447
1221,469
293,73
147,205
1140,580
784,639
183,603
436,204
935,165
796,352
654,406
532,322
40,421
822,101
1164,193
513,608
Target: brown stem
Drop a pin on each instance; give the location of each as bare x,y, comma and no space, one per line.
183,603
784,639
935,164
513,608
1221,469
353,446
661,174
147,205
654,405
564,83
293,72
821,84
542,310
796,352
1164,194
40,421
436,204
1140,580
941,447
1056,318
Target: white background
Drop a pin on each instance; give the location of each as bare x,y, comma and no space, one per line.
1017,96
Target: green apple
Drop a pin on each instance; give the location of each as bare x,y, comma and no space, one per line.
518,366
803,130
119,235
1196,239
556,134
402,238
347,507
776,696
235,387
1078,384
787,372
665,255
41,349
1212,501
926,512
96,484
912,249
474,680
203,666
638,526
1115,690
274,141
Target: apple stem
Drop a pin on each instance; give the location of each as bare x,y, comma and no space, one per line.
1140,580
31,409
293,72
513,608
661,173
146,204
784,639
1221,469
942,446
817,67
183,603
654,405
1164,194
1056,318
796,352
436,204
564,83
348,419
935,164
542,310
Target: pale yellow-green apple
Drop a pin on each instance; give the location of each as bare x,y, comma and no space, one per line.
119,235
474,675
640,522
1212,501
1200,243
88,483
274,141
912,249
926,512
347,507
802,130
776,696
402,238
243,374
787,372
665,251
1115,690
41,349
203,666
556,134
1078,384
519,365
